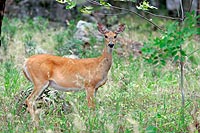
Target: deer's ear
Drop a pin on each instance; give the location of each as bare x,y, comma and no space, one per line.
120,29
102,29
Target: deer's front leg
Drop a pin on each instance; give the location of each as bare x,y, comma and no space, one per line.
90,96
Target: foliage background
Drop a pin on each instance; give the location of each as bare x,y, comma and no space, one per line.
138,97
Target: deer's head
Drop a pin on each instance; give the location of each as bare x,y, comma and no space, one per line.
110,36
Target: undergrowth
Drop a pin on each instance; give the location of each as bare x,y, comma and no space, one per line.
137,97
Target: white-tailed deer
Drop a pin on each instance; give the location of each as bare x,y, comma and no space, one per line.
68,74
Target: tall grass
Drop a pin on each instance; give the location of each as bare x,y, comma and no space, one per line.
136,98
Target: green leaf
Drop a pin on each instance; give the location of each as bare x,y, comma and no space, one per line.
155,62
151,129
163,62
62,1
174,52
158,115
87,9
103,3
149,60
182,58
145,6
162,44
176,58
71,4
183,53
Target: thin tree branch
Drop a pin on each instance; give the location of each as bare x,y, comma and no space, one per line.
182,12
119,8
161,16
193,52
94,2
111,14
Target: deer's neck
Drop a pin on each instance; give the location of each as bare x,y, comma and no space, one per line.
107,53
106,60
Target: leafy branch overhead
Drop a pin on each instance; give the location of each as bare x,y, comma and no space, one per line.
70,3
103,3
90,9
145,6
86,9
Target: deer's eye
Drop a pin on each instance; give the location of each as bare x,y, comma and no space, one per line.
106,36
115,36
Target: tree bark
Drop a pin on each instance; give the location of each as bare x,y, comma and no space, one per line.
198,12
2,7
186,5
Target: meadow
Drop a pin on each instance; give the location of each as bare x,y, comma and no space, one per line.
138,96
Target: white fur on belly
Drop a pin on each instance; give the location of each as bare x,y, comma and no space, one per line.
61,88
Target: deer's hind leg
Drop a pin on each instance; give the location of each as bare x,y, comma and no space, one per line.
39,87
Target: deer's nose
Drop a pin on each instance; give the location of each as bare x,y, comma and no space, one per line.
111,45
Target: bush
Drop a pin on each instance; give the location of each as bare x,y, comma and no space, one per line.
167,47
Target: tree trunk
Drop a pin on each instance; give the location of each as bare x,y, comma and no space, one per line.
187,5
198,12
2,6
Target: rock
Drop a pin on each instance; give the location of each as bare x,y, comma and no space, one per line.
173,4
136,48
85,30
39,50
129,46
50,9
71,56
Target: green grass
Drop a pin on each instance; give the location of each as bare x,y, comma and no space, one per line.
136,98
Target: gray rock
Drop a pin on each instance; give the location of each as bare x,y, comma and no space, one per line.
71,56
173,4
85,30
39,50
